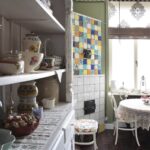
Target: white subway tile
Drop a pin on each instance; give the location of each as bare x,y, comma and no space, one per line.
97,87
102,94
75,89
97,94
86,80
91,80
97,116
86,96
75,96
102,107
102,86
80,112
80,81
80,88
102,100
97,80
81,97
97,101
80,105
85,87
102,114
86,117
97,108
75,81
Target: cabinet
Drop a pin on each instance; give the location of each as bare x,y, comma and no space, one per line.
21,17
65,140
32,15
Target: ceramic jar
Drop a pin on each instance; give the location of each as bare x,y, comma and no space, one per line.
48,89
31,42
32,61
27,93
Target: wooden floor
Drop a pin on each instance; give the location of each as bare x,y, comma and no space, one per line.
126,141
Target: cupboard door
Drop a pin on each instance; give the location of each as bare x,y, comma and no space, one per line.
59,145
68,130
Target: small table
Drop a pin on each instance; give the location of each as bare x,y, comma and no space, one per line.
135,109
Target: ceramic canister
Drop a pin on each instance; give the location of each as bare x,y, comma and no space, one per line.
48,88
31,42
27,93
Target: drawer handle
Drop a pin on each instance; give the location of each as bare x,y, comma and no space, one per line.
65,138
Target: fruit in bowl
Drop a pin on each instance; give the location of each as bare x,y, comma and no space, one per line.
32,60
21,124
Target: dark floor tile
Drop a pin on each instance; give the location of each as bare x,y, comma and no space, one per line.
126,141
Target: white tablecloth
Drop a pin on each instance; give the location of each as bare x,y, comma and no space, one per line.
135,109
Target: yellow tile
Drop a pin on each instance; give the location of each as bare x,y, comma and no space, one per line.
80,45
96,37
92,21
96,71
76,17
89,36
81,55
81,29
99,43
85,72
92,52
88,61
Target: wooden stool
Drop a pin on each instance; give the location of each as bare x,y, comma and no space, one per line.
86,127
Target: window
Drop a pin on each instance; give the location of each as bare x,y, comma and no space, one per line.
129,30
130,60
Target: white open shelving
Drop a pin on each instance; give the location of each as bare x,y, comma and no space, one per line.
31,14
12,79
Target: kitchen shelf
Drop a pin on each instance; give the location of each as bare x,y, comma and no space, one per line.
31,14
12,79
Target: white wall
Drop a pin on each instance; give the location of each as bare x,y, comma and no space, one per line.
86,88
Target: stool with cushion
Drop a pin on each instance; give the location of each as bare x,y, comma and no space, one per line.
86,127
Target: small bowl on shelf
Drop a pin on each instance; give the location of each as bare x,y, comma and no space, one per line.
21,124
6,139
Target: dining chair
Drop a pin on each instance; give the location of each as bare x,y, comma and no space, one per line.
119,120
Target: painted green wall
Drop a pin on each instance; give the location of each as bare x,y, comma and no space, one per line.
99,11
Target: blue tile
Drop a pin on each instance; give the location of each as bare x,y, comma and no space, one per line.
84,61
89,41
92,32
92,67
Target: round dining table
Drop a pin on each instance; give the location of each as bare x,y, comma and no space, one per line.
135,109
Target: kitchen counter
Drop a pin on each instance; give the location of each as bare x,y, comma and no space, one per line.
44,136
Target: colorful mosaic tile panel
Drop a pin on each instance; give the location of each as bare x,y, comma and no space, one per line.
86,39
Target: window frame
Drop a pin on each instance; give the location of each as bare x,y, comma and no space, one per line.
135,60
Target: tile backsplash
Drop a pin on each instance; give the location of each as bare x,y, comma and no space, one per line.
87,88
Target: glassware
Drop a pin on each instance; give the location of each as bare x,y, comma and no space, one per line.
143,84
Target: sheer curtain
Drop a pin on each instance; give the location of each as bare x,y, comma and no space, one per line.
122,62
